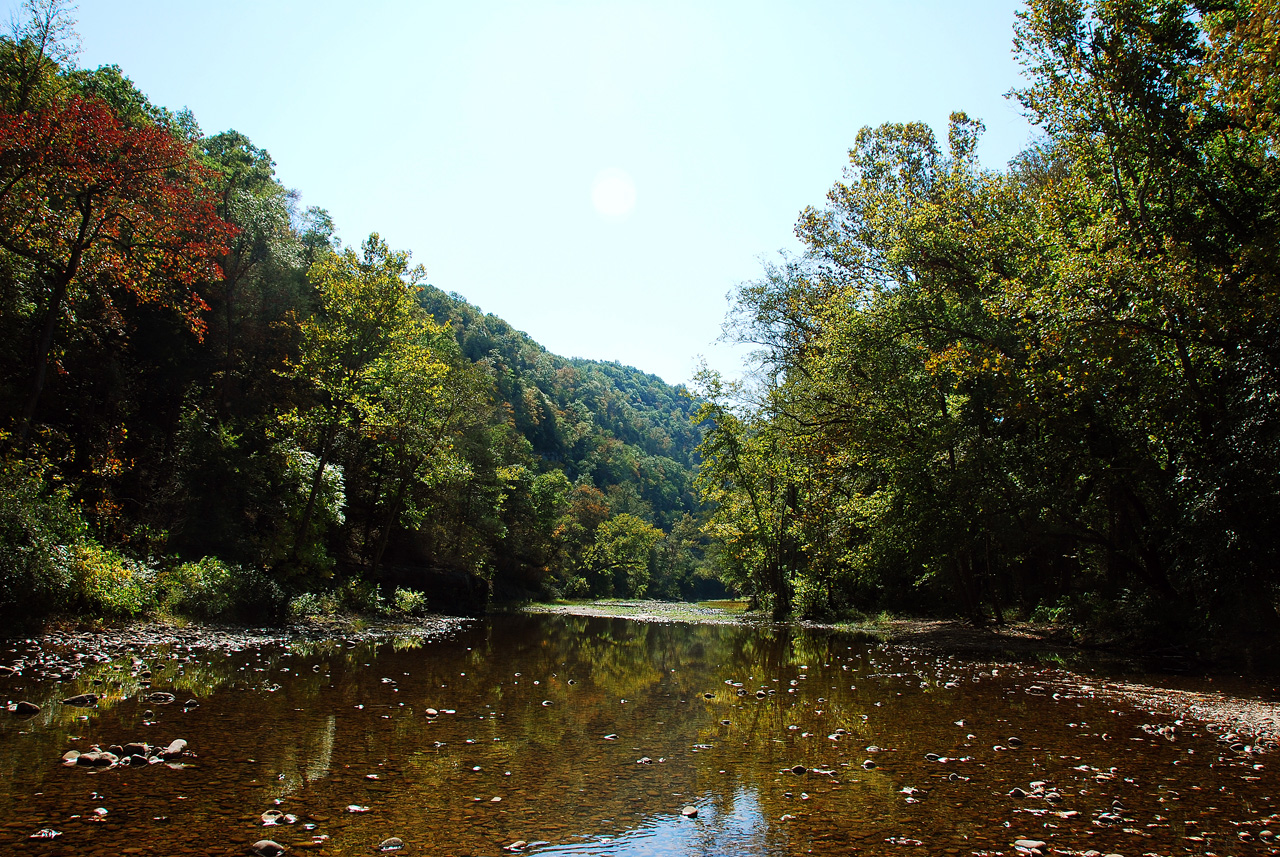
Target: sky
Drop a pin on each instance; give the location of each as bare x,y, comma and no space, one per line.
599,174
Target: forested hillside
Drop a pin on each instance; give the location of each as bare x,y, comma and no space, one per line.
1049,389
212,407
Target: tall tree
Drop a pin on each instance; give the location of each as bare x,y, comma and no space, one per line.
98,209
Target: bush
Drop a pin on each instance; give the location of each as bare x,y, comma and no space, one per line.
206,589
112,585
212,589
362,596
810,599
311,605
409,602
38,526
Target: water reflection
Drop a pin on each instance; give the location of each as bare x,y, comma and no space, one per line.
585,735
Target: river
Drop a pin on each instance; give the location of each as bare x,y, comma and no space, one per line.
561,735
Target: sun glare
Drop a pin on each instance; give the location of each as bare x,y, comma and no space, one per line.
613,193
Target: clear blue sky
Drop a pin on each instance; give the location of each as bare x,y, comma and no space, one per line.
599,174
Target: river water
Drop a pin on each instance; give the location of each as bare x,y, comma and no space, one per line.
577,735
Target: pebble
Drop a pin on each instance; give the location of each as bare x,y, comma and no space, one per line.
394,843
25,709
266,848
689,812
84,700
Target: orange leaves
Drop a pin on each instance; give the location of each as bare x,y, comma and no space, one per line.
100,206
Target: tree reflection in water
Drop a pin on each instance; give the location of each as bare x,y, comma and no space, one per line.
588,735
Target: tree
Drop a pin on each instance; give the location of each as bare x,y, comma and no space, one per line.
367,327
97,209
619,558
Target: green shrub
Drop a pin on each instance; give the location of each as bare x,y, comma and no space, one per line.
110,584
362,596
810,599
204,589
212,589
312,605
39,524
409,602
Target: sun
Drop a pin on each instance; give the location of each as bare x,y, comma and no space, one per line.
613,193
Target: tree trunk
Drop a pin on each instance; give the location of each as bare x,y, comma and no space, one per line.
321,462
385,536
43,347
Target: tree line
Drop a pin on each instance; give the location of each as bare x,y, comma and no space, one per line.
1050,389
213,406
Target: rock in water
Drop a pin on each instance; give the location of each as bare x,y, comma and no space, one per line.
266,848
689,812
395,843
25,709
174,750
84,700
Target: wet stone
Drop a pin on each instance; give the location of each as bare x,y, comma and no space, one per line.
25,709
174,750
266,848
84,700
393,843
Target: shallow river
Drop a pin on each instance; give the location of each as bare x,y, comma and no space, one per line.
578,735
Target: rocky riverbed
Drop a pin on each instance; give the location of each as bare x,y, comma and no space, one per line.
692,732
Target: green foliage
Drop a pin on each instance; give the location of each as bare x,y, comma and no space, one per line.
110,584
255,407
1055,384
38,525
212,589
408,602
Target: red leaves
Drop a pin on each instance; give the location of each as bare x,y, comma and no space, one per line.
99,206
